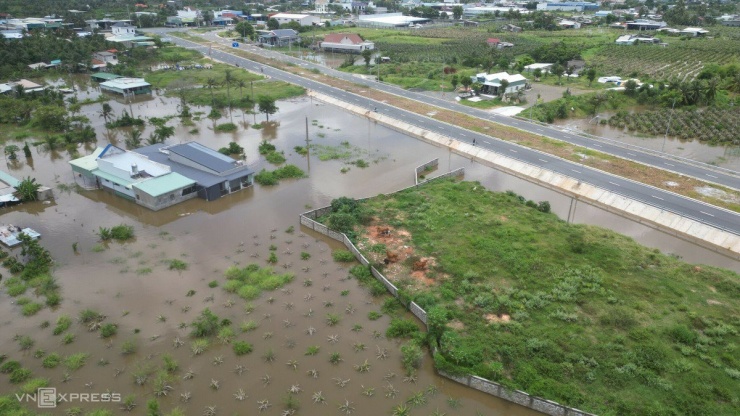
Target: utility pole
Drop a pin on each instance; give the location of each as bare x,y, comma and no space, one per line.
308,147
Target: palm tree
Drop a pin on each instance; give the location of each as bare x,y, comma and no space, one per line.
228,79
27,189
710,90
134,139
211,83
241,84
106,112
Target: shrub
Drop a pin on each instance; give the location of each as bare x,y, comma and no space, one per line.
169,363
342,256
411,356
88,315
265,148
76,361
401,328
31,309
242,348
68,339
122,232
20,375
275,158
374,316
129,347
212,284
226,127
52,360
176,264
108,330
205,325
9,367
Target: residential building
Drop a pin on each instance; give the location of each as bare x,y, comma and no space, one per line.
568,6
345,42
215,174
301,19
569,24
127,86
389,20
694,31
544,67
123,29
104,76
491,83
321,6
644,24
633,39
107,57
28,86
160,176
511,28
476,11
277,37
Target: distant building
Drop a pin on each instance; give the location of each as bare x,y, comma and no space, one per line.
544,67
389,20
491,83
278,37
476,11
633,39
123,29
346,42
695,31
301,19
127,86
644,24
568,6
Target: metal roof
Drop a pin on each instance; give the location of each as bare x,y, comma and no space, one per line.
125,83
208,158
163,184
88,162
203,178
106,76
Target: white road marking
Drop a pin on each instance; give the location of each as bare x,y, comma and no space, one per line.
511,150
631,154
575,171
669,164
711,176
615,184
543,160
657,197
597,145
706,213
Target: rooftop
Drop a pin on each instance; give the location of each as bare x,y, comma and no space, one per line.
124,83
205,156
125,160
354,38
89,162
164,184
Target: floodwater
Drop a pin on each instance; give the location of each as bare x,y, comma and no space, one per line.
131,284
724,156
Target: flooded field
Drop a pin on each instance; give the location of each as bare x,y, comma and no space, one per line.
134,287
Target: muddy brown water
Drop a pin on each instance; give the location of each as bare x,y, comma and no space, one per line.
133,287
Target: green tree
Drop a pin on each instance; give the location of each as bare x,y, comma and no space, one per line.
134,139
273,24
106,111
51,117
457,12
367,54
557,70
266,105
537,73
228,80
466,81
454,81
245,29
502,88
211,83
27,189
591,76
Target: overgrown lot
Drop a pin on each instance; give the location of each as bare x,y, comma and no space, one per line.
573,313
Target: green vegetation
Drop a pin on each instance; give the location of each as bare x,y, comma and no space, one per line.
120,232
108,330
76,361
233,149
176,264
226,128
268,178
573,313
63,323
242,348
31,271
250,281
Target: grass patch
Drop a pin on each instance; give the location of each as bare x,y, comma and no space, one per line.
63,324
177,264
75,361
226,128
242,348
572,313
250,281
268,178
342,256
31,309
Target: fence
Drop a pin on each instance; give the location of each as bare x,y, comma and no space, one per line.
481,384
424,168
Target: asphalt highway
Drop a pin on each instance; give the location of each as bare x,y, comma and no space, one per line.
705,213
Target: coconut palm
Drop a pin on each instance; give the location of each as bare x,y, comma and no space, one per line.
106,111
211,83
228,80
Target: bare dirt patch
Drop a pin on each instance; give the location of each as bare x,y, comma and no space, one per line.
399,257
503,318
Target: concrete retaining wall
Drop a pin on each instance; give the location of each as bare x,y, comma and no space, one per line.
685,228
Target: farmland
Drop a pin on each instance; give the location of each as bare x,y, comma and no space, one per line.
572,313
713,125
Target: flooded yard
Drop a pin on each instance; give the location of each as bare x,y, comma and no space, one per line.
133,285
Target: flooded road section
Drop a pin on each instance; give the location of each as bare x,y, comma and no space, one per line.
132,284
